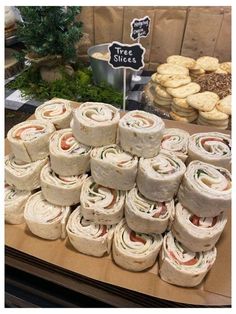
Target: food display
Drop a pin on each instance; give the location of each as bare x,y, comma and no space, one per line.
101,204
15,201
57,111
44,219
134,251
29,140
197,234
23,176
68,157
88,237
181,267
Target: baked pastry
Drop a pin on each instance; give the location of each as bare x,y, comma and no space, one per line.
101,204
95,124
14,205
181,267
44,219
113,168
140,133
205,189
57,111
68,157
175,141
159,177
87,237
145,216
59,190
197,234
211,147
23,176
29,140
135,251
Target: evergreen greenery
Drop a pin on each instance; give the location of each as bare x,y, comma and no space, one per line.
50,30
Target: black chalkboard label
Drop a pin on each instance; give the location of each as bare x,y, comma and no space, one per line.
126,56
140,27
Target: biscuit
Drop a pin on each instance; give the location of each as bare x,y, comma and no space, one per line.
175,80
183,113
153,77
222,127
162,92
219,70
167,68
181,60
215,122
208,63
182,103
224,105
177,108
176,117
213,115
184,91
204,101
226,66
162,102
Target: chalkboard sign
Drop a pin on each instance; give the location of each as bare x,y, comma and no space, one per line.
126,56
140,27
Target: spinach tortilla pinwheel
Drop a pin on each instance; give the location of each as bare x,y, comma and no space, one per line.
95,124
135,251
205,189
159,177
197,233
68,157
88,237
140,133
181,267
143,215
29,139
101,204
114,168
44,219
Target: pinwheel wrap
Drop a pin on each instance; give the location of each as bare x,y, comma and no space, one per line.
29,140
68,157
60,190
88,237
135,251
175,141
112,167
23,176
14,205
95,124
211,147
101,204
181,267
44,219
195,233
205,189
145,216
57,111
140,133
159,177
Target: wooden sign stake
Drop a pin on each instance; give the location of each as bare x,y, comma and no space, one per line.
124,88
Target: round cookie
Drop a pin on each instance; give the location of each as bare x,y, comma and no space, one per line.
213,122
208,63
184,91
204,101
183,113
176,117
184,110
167,68
224,105
182,103
181,60
213,115
175,80
161,91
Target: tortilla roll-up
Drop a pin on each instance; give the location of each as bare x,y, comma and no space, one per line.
145,216
197,234
29,140
205,189
112,167
23,176
95,124
135,251
15,201
211,147
88,237
68,157
175,141
159,177
57,111
140,133
101,204
181,267
44,219
60,190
